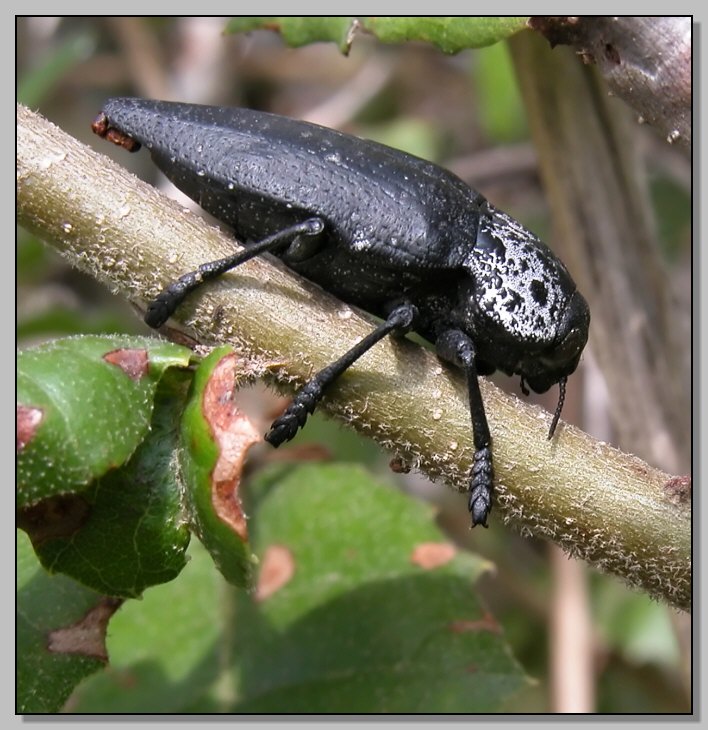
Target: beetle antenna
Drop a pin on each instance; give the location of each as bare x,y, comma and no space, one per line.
559,407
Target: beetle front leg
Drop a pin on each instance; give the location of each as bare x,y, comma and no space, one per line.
165,303
458,348
399,321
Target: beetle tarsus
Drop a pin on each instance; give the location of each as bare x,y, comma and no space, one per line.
161,308
293,419
480,500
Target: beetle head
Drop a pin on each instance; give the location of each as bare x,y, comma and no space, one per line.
558,361
521,305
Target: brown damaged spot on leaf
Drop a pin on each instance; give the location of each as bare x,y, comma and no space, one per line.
277,569
678,489
234,434
55,517
133,362
86,637
486,623
429,555
28,420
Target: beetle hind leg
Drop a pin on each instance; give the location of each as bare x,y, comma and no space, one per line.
399,321
167,301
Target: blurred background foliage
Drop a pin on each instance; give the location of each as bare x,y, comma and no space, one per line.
462,111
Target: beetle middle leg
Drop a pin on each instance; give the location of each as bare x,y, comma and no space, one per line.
398,322
164,305
458,348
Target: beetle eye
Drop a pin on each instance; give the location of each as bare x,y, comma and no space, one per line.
571,345
562,357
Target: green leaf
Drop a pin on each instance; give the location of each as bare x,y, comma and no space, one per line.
83,406
215,438
98,496
449,34
167,650
36,85
300,31
32,258
130,532
60,633
362,606
500,108
410,135
59,321
635,626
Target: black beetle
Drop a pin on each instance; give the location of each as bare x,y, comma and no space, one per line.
386,231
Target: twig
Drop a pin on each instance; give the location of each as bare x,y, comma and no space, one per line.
645,60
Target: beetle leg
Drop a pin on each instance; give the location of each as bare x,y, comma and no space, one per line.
399,321
457,348
164,305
